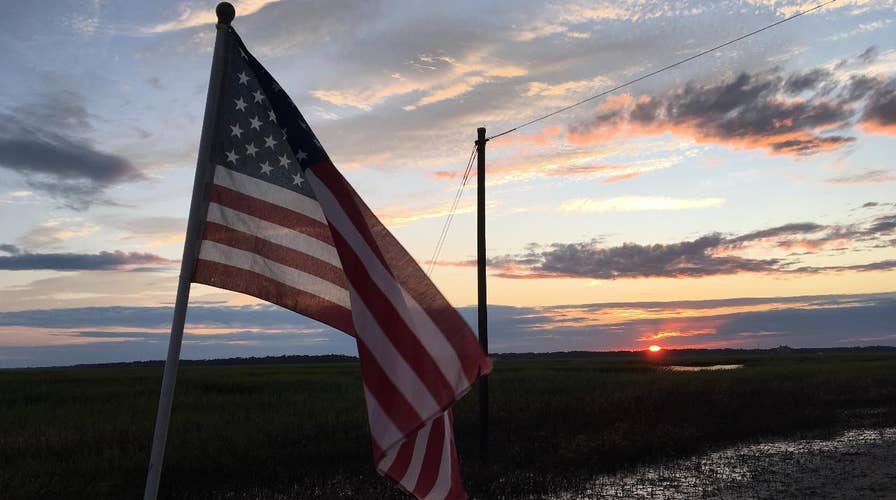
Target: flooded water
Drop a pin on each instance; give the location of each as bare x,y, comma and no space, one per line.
673,368
855,464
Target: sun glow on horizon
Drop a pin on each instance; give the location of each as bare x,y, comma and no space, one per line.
654,348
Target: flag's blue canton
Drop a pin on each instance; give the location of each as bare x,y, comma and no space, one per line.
298,133
261,133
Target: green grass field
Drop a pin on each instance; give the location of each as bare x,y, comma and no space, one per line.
299,431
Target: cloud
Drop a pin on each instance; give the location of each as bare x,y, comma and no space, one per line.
880,113
44,141
637,204
630,260
709,255
54,231
883,225
124,287
18,260
438,78
367,97
149,231
36,337
789,8
199,316
400,216
578,163
110,334
797,114
191,16
875,176
819,321
862,28
778,232
562,18
576,87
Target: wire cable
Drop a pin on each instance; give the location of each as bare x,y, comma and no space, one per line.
664,68
444,234
451,212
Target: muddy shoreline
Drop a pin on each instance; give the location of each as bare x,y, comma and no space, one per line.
859,463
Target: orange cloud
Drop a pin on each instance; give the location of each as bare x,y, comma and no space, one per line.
622,177
797,115
878,126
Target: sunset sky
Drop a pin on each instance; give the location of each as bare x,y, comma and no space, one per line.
745,199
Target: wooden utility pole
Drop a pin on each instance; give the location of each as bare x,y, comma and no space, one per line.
483,296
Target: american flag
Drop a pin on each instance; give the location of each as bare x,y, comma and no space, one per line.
283,225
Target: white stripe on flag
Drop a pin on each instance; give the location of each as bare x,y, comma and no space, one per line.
443,483
280,235
411,476
432,338
388,458
382,428
294,278
271,193
390,360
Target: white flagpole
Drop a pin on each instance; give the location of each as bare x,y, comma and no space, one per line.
198,207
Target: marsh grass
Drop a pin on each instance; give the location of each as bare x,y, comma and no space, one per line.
299,431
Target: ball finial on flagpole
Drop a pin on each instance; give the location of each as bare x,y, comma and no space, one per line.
225,12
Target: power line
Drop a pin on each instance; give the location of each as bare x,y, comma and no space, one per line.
447,225
444,234
664,68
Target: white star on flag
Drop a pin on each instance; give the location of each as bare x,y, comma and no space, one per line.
266,168
258,96
284,160
269,141
240,104
236,130
232,156
244,78
251,149
255,123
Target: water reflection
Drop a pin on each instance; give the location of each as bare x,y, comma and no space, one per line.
855,464
673,368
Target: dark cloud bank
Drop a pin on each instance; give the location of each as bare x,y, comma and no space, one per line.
46,142
822,321
800,114
710,255
19,260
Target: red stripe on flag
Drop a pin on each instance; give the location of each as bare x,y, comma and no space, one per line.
270,212
402,459
393,326
418,285
447,319
275,252
251,283
339,187
389,397
456,492
432,459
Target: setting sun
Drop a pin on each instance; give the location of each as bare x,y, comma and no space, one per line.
655,348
